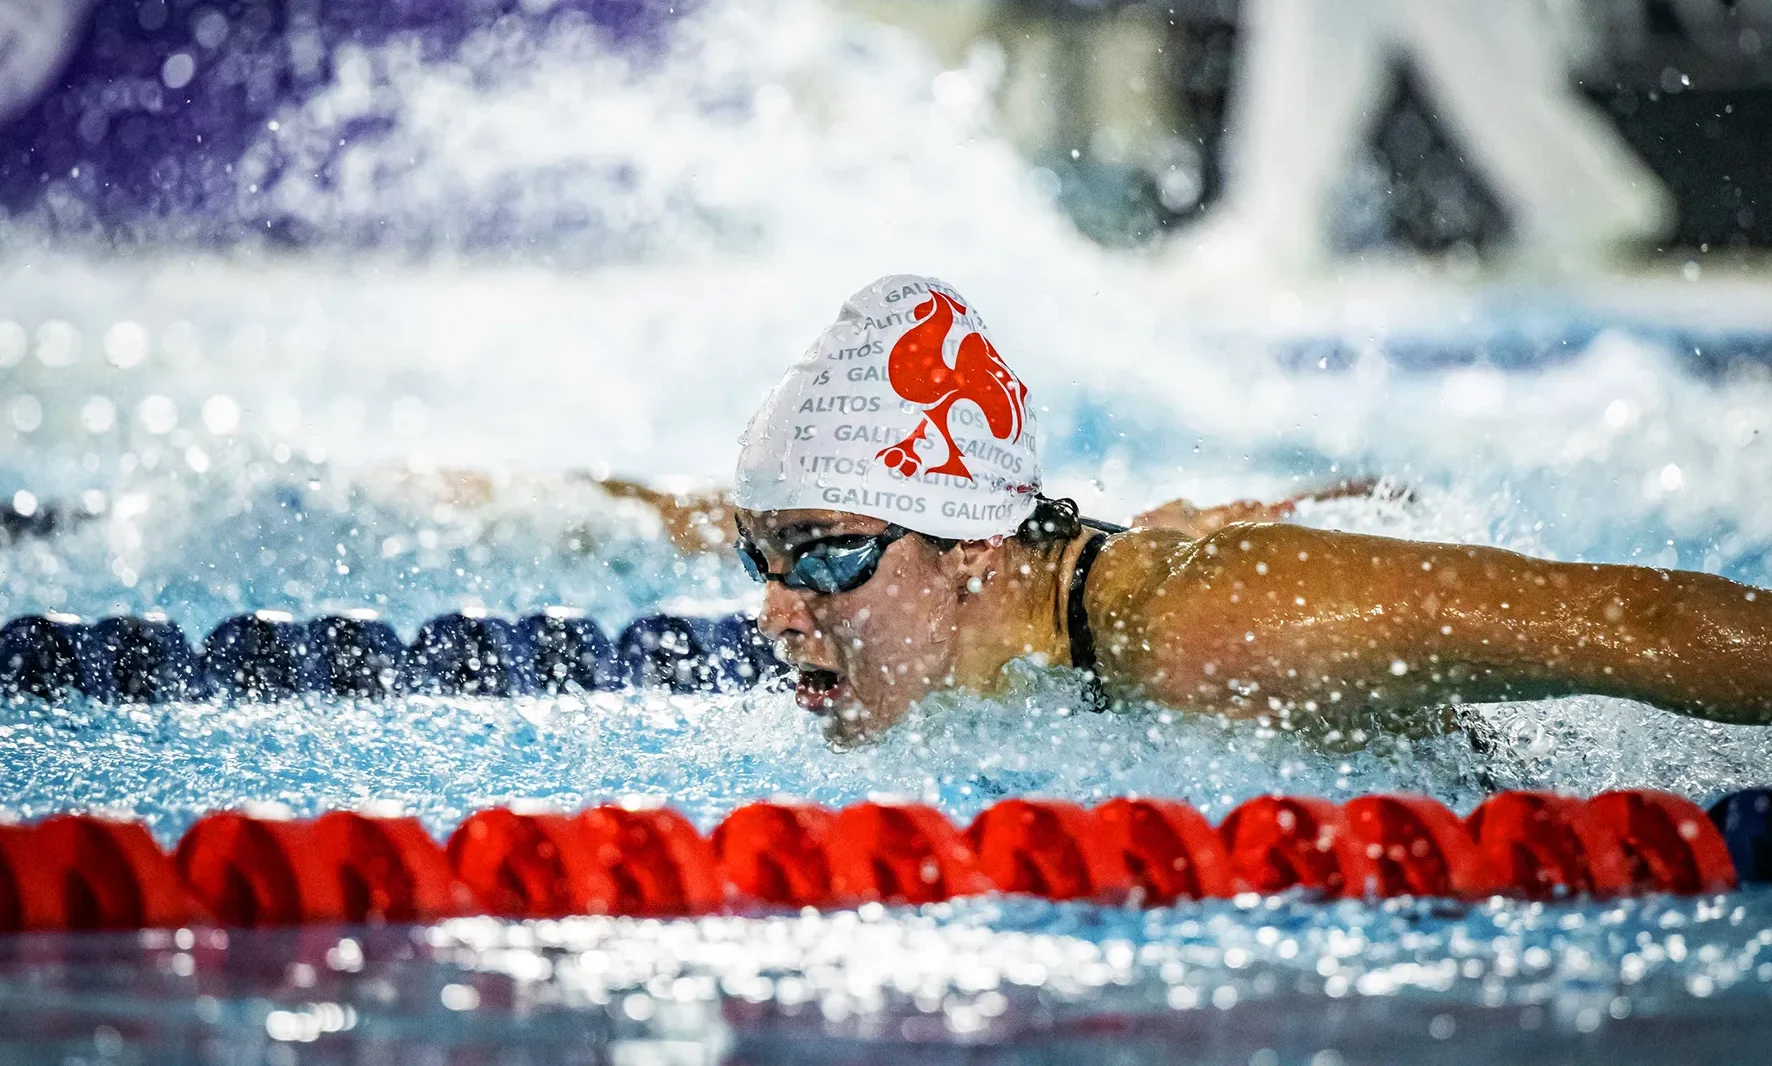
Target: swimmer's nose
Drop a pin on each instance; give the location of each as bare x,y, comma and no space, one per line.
784,612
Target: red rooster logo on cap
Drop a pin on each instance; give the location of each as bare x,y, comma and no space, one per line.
920,374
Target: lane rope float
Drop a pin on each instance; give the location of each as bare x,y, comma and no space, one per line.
83,871
268,656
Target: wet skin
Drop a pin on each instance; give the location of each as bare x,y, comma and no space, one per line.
1262,618
1268,619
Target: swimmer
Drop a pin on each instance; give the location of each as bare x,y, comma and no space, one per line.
888,495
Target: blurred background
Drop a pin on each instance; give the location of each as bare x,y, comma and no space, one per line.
318,303
1126,105
148,121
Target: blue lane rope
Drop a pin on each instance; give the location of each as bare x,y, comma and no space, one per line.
268,656
1745,820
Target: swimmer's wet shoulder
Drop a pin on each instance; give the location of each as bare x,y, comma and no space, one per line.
1126,598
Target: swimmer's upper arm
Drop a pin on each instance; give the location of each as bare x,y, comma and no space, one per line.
1261,618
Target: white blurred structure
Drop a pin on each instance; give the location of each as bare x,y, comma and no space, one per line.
36,39
1315,75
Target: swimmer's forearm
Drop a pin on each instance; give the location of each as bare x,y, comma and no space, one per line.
1512,627
1693,643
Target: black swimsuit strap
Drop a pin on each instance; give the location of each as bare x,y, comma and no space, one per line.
1076,614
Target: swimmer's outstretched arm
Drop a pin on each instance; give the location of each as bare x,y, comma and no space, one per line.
697,522
1258,619
1184,517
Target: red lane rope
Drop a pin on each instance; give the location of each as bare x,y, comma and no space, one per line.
82,872
659,865
1667,841
900,853
775,853
389,869
527,865
85,872
1416,847
1171,849
1049,848
1540,845
253,872
1278,843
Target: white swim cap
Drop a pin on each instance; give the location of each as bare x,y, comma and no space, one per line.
902,410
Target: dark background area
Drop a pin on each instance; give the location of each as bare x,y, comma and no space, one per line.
114,151
1687,84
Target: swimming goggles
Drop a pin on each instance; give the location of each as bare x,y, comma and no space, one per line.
827,565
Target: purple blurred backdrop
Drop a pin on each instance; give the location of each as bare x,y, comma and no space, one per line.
140,133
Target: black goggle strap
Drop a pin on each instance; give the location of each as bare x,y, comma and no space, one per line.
752,557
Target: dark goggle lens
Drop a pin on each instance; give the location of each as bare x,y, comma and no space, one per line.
829,569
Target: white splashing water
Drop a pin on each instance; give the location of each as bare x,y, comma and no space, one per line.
231,410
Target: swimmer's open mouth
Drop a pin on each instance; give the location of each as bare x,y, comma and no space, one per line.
820,691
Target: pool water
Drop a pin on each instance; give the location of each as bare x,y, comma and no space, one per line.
999,980
401,424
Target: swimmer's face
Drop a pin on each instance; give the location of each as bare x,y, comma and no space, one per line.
866,655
